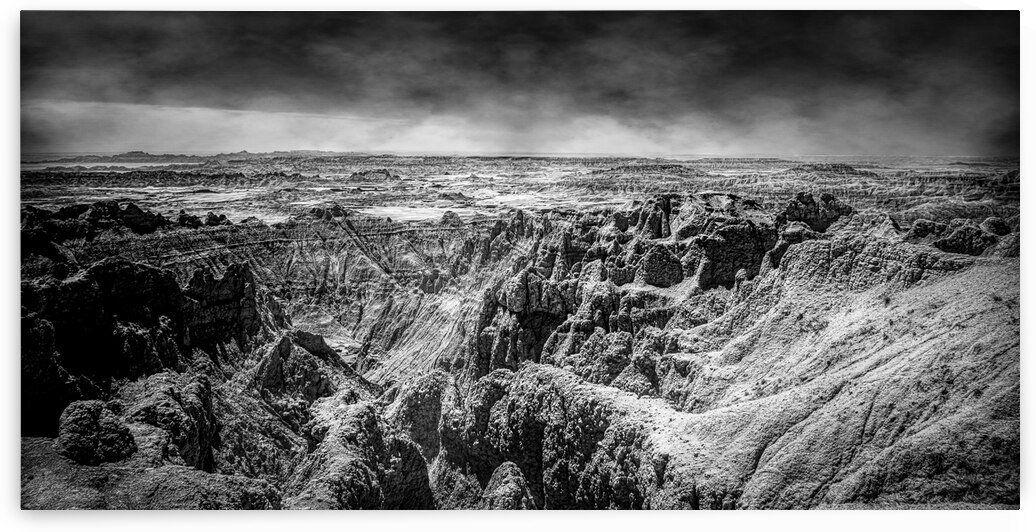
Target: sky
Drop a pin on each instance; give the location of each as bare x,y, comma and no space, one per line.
623,83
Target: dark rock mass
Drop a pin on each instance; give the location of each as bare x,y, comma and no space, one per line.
90,433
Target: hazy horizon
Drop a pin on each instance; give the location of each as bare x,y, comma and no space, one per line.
215,153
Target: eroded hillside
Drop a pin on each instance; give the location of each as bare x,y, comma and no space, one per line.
675,350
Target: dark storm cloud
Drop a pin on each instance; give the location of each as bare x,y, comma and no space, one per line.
676,82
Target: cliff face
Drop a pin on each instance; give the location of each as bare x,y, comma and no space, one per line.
699,351
853,368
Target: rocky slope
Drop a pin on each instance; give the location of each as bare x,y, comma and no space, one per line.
685,351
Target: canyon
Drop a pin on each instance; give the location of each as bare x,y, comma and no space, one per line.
346,331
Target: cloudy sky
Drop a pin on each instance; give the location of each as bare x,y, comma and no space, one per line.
928,83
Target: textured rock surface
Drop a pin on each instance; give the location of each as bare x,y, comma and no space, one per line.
660,267
359,464
52,482
685,351
90,433
180,406
507,490
967,238
818,215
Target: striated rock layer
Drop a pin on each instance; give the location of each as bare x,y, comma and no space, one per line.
689,351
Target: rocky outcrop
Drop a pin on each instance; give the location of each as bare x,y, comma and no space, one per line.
214,220
140,221
554,435
1007,246
793,233
169,416
118,319
115,319
507,490
529,292
833,168
921,229
995,225
47,387
860,262
107,214
374,174
604,356
962,236
329,213
715,258
580,445
452,219
563,360
53,482
90,433
180,407
966,238
286,369
188,220
638,376
359,464
660,268
817,215
652,220
87,221
231,308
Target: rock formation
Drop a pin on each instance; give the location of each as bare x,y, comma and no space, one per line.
685,351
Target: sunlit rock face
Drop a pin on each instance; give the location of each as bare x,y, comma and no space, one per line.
498,344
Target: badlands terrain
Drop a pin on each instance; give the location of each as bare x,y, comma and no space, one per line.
306,330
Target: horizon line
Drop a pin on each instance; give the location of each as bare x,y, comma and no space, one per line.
416,153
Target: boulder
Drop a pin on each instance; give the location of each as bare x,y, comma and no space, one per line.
90,433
